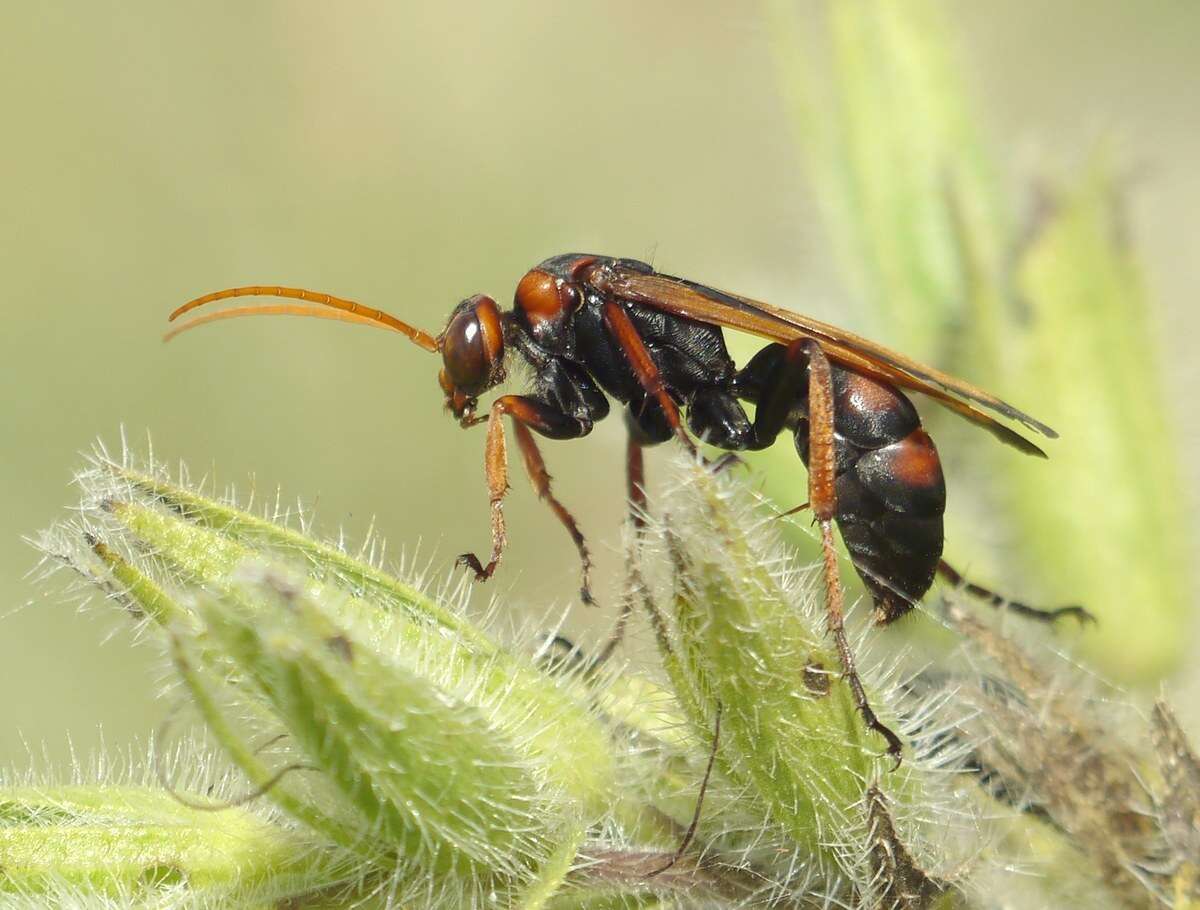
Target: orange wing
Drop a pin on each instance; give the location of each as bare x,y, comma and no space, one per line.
705,304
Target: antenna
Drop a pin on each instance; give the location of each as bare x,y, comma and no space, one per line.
353,312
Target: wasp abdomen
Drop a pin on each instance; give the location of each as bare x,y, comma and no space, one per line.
890,505
890,490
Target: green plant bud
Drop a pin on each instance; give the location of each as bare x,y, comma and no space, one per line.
138,843
435,778
198,544
326,563
409,736
746,637
443,769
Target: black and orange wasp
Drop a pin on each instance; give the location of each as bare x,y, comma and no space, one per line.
593,328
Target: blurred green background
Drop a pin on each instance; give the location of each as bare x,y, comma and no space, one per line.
408,155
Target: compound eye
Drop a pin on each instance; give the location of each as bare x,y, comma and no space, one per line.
473,346
465,354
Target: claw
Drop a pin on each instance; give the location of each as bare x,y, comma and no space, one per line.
471,561
728,460
1082,615
895,744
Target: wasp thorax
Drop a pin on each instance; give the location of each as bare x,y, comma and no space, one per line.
545,302
472,350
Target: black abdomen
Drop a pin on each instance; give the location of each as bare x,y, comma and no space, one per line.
890,490
890,505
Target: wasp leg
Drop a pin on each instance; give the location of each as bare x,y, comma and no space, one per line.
635,493
999,601
716,416
635,483
786,384
822,495
777,379
631,344
525,413
690,834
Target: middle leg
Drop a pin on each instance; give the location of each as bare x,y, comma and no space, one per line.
626,335
635,498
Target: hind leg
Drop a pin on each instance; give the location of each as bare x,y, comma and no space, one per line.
1000,602
822,495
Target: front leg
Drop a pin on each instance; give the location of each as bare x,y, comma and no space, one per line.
527,413
822,497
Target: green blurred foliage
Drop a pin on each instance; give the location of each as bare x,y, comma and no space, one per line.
886,130
411,154
1052,313
1107,515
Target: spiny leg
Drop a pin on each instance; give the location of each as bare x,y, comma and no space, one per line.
991,598
822,495
525,413
635,484
535,467
835,620
793,510
637,438
495,466
802,361
648,375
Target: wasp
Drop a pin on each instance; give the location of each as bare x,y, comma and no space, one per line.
594,328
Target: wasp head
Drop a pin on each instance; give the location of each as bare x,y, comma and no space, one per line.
472,347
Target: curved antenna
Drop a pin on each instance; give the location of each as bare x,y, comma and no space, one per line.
367,314
270,309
